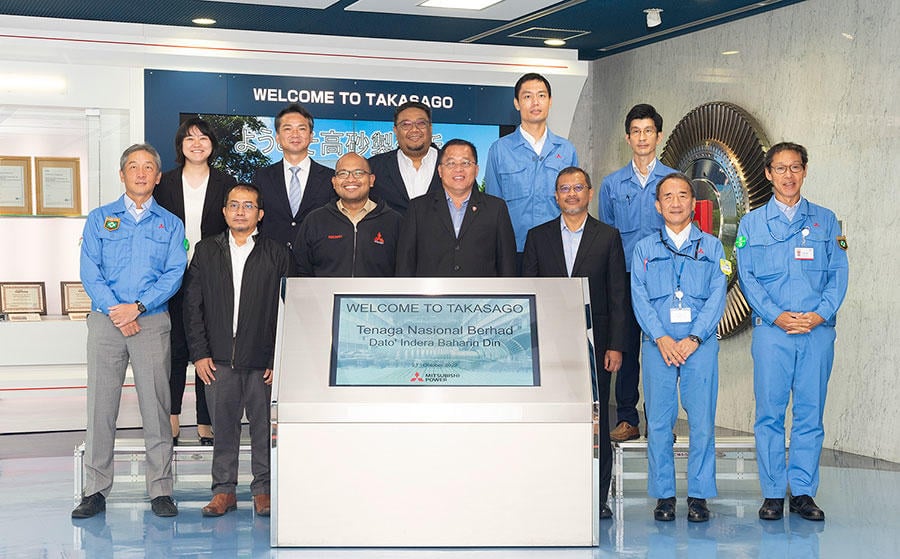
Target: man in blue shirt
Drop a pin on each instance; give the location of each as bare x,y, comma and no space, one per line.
792,265
522,167
132,261
678,287
628,203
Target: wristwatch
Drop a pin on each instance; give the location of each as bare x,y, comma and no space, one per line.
141,308
696,339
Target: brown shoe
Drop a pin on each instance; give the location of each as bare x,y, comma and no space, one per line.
262,503
624,431
220,504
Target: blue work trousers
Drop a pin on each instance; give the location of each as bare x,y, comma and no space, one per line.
785,365
697,381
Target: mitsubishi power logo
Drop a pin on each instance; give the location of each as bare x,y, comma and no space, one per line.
416,378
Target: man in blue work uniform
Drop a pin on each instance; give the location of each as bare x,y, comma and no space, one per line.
792,265
628,203
522,167
132,261
678,287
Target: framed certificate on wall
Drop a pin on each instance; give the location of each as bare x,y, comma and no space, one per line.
15,185
58,182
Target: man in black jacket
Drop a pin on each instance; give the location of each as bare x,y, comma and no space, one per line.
410,170
230,310
458,231
577,245
354,237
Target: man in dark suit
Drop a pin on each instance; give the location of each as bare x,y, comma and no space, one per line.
577,245
296,185
457,231
410,170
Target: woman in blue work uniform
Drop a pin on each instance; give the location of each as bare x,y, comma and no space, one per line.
678,286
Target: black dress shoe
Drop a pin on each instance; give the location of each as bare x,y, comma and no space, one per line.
772,509
807,508
163,506
206,441
665,509
605,512
697,510
90,506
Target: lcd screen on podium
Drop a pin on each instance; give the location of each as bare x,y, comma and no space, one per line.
447,340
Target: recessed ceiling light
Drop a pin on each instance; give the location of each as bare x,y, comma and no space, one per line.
730,52
460,4
204,21
554,42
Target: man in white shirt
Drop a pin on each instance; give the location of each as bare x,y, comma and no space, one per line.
410,170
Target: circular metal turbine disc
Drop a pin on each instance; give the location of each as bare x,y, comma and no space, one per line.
722,149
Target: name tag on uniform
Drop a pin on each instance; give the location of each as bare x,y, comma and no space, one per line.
804,253
680,315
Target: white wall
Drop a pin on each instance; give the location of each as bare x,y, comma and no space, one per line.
804,81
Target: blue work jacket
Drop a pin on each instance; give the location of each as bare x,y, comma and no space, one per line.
123,261
526,180
774,280
703,271
630,208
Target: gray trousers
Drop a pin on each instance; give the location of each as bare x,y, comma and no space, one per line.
234,391
108,353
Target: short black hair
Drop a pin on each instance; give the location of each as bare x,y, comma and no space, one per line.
185,128
412,105
786,146
458,142
245,186
571,170
294,108
643,111
530,77
677,175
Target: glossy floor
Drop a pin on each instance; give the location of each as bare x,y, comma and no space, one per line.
36,488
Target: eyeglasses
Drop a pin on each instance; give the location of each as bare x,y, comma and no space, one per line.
406,125
566,188
782,169
344,174
465,164
246,206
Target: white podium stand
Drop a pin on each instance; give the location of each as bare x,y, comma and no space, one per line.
464,446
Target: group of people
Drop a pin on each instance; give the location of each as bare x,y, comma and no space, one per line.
657,285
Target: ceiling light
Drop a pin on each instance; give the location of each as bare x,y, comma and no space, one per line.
204,21
460,4
653,17
730,52
554,42
847,36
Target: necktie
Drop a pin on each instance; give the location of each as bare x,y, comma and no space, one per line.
294,193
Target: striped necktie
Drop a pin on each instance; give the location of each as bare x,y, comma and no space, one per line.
294,192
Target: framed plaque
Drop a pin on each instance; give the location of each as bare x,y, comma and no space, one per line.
58,182
23,297
15,185
73,299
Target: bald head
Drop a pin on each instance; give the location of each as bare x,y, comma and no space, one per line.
352,180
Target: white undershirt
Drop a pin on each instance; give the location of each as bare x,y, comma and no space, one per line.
643,178
679,238
418,180
537,144
193,212
239,255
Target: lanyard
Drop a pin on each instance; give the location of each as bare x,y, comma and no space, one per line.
802,228
680,269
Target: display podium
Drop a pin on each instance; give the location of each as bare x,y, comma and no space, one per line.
433,413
